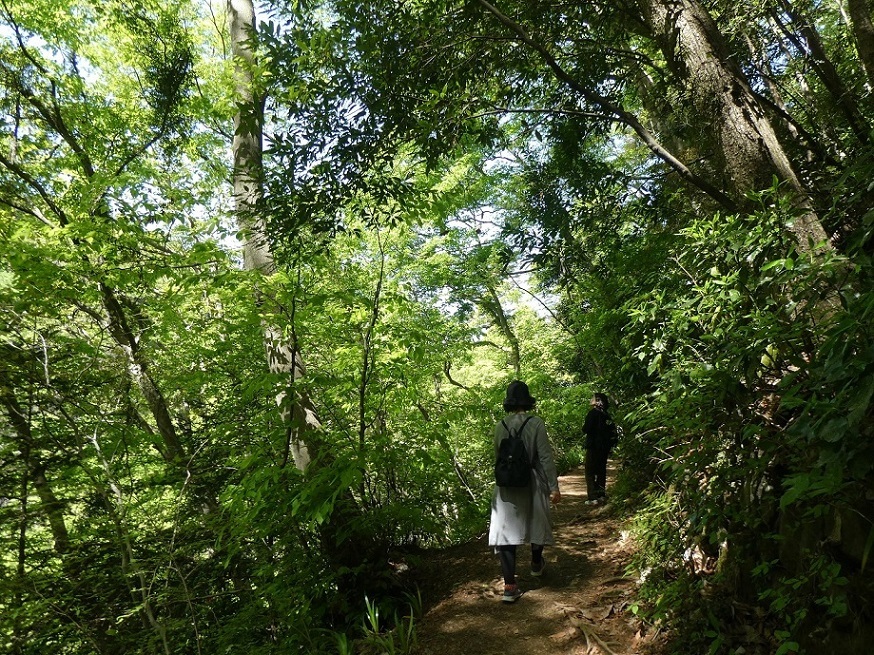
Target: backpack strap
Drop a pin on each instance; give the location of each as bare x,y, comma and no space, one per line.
519,432
523,425
531,455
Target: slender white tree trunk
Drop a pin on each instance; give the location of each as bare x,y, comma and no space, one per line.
283,357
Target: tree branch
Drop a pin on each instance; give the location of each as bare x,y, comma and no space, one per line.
38,215
30,181
446,366
54,119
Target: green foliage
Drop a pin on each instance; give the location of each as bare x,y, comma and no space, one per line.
398,640
416,169
752,424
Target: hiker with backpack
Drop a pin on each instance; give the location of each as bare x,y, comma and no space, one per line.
526,481
601,437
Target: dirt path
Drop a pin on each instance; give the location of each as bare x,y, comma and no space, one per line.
579,606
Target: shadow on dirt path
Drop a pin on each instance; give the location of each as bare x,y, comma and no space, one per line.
579,606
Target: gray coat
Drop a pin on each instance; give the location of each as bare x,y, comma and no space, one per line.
521,515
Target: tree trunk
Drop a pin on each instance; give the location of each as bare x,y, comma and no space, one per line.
613,110
18,631
131,568
118,325
35,468
763,66
863,34
343,539
283,356
119,328
492,305
368,357
92,629
750,153
824,68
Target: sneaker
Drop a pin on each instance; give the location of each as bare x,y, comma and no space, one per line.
537,571
511,593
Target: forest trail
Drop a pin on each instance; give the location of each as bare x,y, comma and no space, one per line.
579,606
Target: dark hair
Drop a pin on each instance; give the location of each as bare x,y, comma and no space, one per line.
518,397
601,401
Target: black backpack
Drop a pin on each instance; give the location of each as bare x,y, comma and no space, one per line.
612,433
512,466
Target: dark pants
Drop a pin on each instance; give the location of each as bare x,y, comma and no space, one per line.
596,472
508,560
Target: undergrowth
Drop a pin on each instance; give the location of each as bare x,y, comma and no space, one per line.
751,459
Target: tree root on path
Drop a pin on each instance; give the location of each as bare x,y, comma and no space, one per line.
577,620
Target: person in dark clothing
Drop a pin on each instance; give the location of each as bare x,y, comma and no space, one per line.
600,431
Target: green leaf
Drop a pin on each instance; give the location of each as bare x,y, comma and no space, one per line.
797,486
